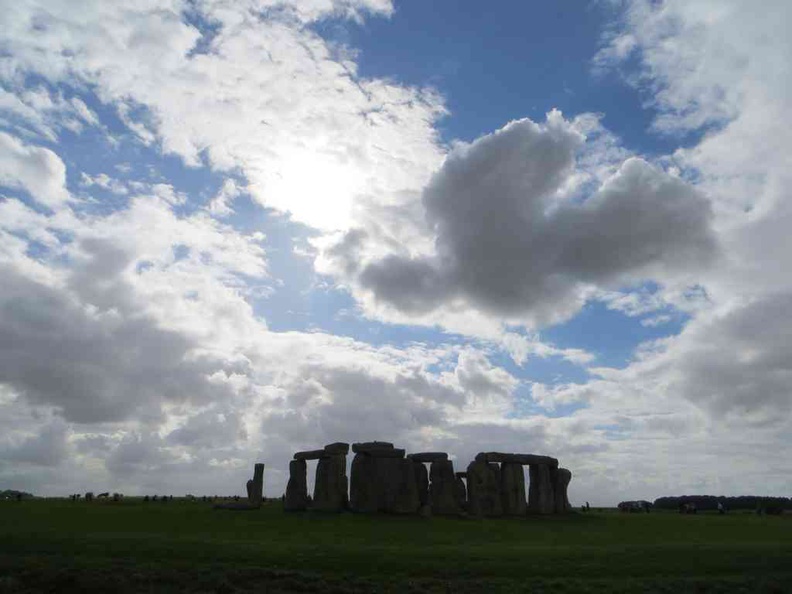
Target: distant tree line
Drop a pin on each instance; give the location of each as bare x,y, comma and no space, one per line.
14,494
710,502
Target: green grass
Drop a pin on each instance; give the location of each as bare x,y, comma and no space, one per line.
51,545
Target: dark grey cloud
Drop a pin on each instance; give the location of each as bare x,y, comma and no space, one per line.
47,448
740,365
507,245
96,360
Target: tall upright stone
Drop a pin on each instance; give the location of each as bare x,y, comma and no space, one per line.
513,489
421,481
256,486
297,487
460,492
330,486
383,480
562,505
442,488
483,489
541,499
362,490
407,500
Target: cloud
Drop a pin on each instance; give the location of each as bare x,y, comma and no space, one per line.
505,244
261,95
47,448
35,169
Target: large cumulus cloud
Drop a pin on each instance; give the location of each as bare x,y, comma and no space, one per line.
507,241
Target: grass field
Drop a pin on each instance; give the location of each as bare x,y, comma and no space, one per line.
57,546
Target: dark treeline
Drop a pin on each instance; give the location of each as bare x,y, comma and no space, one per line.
14,494
710,502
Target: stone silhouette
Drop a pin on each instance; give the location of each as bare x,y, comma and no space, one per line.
513,489
383,480
330,486
562,505
296,498
442,488
255,488
386,479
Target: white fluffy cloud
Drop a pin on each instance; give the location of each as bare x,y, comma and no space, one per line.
34,169
262,95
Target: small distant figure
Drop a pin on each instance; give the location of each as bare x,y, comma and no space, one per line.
588,507
721,509
154,498
19,497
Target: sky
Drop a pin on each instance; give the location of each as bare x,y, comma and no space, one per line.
235,229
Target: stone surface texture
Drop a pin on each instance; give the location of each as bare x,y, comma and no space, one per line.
442,488
483,490
541,499
297,487
513,489
330,486
562,505
256,487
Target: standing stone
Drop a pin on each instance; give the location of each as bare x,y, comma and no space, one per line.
389,476
330,488
460,492
513,489
256,487
562,505
421,481
362,493
407,497
541,499
483,489
442,488
297,488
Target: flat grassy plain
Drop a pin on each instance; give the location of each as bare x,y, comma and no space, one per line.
180,546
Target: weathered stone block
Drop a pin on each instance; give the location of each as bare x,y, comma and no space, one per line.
385,453
364,446
562,505
297,487
330,487
421,481
460,492
513,489
442,488
256,486
541,499
310,455
338,447
362,491
483,490
407,497
525,459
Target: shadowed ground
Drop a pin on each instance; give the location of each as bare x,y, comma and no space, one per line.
188,547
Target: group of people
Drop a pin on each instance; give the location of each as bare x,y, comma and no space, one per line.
690,508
